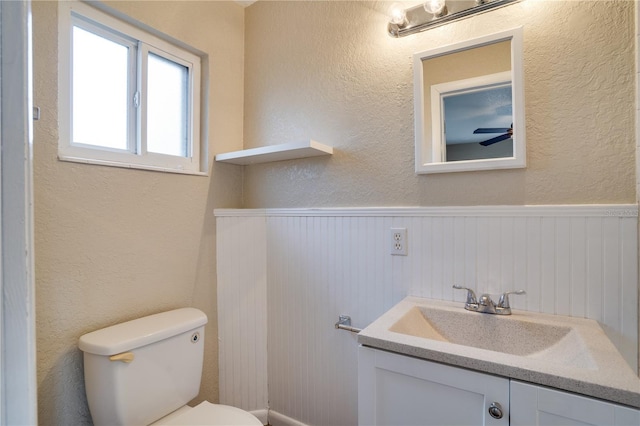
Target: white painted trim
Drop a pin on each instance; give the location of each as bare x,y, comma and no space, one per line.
2,392
581,210
425,149
128,166
18,345
277,419
442,90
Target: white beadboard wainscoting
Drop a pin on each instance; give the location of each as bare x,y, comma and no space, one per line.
242,312
285,275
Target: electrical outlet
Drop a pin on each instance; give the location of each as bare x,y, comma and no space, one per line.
398,241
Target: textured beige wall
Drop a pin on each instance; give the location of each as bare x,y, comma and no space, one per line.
475,62
114,244
329,71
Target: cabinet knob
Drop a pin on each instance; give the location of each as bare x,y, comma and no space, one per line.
495,410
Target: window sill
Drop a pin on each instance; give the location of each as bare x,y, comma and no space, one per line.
129,166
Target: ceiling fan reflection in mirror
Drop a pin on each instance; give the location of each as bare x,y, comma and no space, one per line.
507,133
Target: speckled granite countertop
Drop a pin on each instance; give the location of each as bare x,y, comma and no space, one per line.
586,362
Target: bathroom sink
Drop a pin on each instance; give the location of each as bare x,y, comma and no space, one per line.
514,335
572,354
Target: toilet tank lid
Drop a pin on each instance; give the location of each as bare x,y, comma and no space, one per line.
139,332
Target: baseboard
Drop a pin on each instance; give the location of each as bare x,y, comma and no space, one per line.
277,419
262,415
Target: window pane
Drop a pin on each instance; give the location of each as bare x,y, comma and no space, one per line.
167,113
100,97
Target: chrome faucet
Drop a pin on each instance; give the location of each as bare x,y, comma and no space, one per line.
485,304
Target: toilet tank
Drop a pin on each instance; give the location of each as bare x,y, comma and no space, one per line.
139,371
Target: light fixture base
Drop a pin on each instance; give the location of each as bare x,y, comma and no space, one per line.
418,19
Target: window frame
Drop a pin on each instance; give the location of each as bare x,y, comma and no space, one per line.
143,51
442,90
141,40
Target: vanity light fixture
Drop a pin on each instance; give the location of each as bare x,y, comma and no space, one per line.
437,8
433,13
397,15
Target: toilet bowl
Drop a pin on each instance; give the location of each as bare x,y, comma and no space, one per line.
145,371
209,414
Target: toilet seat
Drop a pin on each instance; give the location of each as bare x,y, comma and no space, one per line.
209,414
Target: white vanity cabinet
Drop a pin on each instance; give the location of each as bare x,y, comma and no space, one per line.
537,405
395,389
400,390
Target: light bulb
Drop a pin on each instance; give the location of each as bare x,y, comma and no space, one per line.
434,7
397,14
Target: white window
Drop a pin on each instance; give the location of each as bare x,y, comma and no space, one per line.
129,96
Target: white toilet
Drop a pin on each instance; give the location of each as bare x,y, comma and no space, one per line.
145,371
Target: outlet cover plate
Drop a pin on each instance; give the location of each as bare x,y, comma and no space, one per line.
398,241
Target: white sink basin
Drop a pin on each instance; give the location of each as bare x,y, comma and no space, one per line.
512,334
572,354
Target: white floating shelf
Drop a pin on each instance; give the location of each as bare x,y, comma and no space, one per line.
266,154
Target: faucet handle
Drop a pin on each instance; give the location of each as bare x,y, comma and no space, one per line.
503,302
471,296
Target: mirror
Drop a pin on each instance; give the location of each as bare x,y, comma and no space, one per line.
469,105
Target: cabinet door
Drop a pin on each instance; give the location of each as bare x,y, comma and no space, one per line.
399,390
537,405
